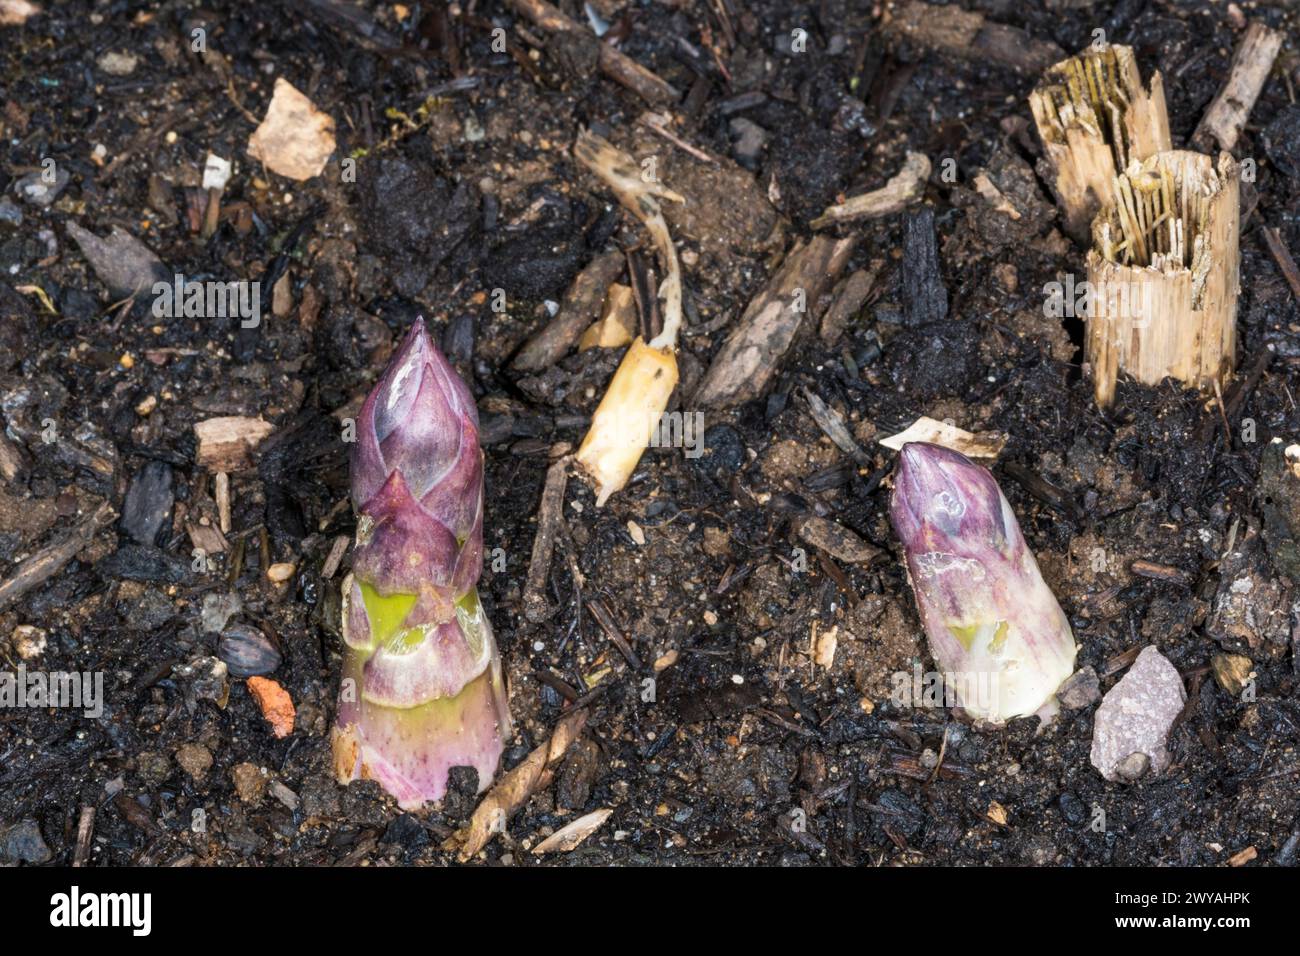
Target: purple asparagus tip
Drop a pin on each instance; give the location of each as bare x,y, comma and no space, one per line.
990,619
422,690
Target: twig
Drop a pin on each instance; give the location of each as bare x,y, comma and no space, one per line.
618,66
749,359
606,622
549,516
904,188
1226,115
1282,256
50,560
656,123
85,831
580,308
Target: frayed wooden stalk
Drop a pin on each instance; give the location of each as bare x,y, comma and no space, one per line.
1095,119
1163,275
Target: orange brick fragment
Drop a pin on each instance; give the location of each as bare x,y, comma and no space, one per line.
276,704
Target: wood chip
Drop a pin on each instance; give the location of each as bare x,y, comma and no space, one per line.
997,813
972,36
1232,672
275,703
826,645
14,13
1244,857
206,538
227,443
335,557
568,838
837,541
295,139
970,444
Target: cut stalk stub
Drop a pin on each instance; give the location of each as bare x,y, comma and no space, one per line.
1163,274
1095,119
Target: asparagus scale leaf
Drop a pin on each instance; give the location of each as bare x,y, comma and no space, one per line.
993,625
422,690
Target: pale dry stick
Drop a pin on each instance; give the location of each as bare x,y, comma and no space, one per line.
1227,113
904,188
221,484
85,832
335,557
657,123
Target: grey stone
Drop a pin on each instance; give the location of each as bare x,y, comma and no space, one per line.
10,213
148,505
122,262
23,843
750,138
1135,717
39,188
1080,689
218,609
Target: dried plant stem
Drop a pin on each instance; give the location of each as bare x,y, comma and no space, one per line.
1163,274
1095,119
637,395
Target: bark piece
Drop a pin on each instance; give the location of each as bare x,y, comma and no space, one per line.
1163,275
925,296
972,36
849,298
837,541
752,354
1095,119
49,561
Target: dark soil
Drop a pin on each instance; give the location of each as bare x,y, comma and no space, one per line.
463,184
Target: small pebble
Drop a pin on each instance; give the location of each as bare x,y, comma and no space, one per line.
195,759
280,572
28,641
1080,689
250,782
